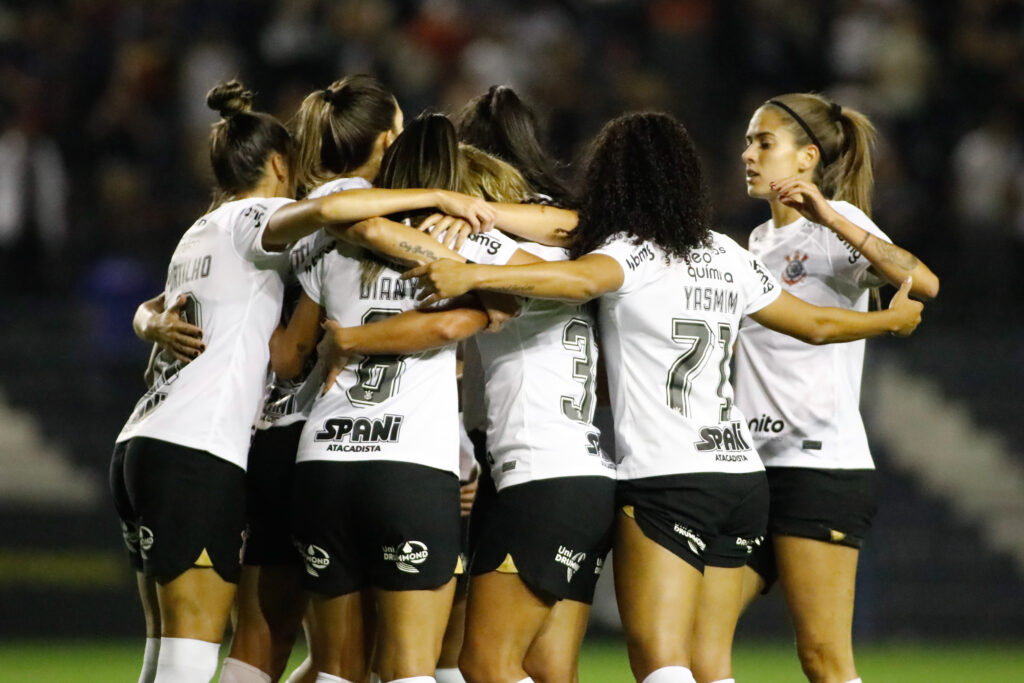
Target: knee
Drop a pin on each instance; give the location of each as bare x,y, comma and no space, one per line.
551,672
822,660
484,669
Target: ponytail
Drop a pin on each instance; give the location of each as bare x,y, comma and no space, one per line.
844,138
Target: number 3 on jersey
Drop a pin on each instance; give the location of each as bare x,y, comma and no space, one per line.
377,376
699,340
579,337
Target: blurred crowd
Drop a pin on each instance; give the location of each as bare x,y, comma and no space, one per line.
103,122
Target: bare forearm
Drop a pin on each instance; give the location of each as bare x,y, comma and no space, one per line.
398,242
411,332
833,325
893,263
357,205
542,224
561,281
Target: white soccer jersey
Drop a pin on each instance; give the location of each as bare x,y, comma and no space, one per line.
667,336
540,373
802,401
289,400
233,288
399,408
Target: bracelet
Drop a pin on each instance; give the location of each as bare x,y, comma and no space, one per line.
867,236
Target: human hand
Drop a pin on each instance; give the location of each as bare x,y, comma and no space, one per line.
441,279
331,353
181,339
907,310
448,230
805,197
476,212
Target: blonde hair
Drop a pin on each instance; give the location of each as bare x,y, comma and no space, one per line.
488,177
844,137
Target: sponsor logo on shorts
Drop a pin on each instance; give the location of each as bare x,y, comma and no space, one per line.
766,424
361,433
571,559
406,555
726,438
598,566
749,543
145,540
693,540
794,271
317,559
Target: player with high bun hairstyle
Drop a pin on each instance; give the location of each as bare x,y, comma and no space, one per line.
810,159
691,491
178,469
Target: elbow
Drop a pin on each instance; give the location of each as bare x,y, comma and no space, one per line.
460,325
928,289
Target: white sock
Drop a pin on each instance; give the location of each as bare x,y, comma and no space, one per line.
328,678
185,660
149,660
452,675
414,679
855,680
237,671
300,670
670,674
374,677
526,680
726,680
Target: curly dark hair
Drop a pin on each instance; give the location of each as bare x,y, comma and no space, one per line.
642,177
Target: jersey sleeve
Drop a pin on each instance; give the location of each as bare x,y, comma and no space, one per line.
247,232
492,248
850,264
758,285
312,271
634,259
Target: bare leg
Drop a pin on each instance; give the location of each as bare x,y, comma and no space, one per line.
657,594
454,634
195,605
410,628
717,613
270,606
503,617
554,654
818,582
336,636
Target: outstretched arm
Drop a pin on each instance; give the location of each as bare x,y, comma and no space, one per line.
536,222
888,260
827,325
577,281
291,345
298,219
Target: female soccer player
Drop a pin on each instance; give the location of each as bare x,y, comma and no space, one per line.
692,491
342,133
178,470
810,159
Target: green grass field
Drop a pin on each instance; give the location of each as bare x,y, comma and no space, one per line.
602,662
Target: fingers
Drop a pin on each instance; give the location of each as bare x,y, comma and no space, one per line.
430,222
459,232
330,325
418,271
178,304
331,378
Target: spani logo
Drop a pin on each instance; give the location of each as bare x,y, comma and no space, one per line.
317,559
406,555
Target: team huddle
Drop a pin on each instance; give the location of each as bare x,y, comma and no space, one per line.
375,370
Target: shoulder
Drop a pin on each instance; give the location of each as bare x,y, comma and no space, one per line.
856,216
340,185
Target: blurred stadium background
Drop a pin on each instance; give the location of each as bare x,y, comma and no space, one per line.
103,163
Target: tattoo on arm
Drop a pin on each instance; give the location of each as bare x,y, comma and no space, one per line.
890,253
518,289
418,250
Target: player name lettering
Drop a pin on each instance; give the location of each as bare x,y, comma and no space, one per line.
388,288
712,299
190,270
361,429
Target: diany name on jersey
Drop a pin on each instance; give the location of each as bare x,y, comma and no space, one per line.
360,430
726,438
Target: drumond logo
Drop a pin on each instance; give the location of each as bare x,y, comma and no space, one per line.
572,561
406,555
728,439
693,539
317,559
360,430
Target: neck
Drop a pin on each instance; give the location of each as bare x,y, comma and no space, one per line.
268,186
782,214
367,171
